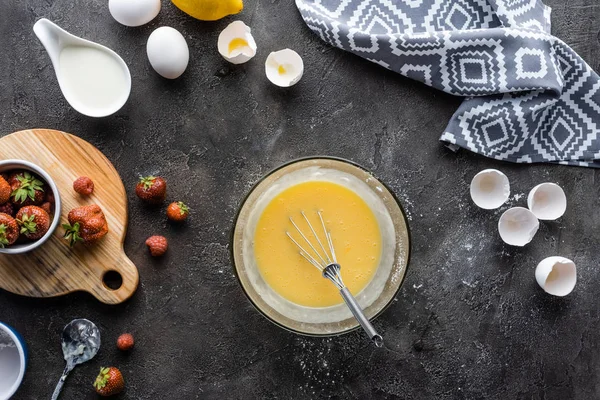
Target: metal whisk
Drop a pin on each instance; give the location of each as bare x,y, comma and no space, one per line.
326,262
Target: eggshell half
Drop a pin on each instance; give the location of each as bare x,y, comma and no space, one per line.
168,52
237,32
556,275
284,68
547,201
517,226
490,189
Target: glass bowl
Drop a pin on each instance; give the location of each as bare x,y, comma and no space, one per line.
374,298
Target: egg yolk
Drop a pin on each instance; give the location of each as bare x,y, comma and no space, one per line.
237,44
354,231
281,70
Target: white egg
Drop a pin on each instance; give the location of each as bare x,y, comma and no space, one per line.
134,12
556,275
168,52
284,68
236,43
490,189
518,226
547,201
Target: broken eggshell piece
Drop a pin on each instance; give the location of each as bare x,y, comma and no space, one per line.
490,189
547,201
236,44
556,275
518,226
284,68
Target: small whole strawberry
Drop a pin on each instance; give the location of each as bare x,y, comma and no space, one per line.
178,211
33,222
151,189
5,190
125,342
84,186
9,230
157,245
7,208
87,224
49,196
27,189
109,382
48,207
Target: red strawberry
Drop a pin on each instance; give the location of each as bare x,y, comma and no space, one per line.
157,245
48,207
5,191
34,222
152,189
109,382
50,196
87,224
125,342
9,230
83,185
7,208
27,189
178,211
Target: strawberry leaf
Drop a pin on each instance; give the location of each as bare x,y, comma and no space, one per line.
3,240
28,224
72,233
183,209
147,181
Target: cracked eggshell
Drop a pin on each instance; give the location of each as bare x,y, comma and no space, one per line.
134,12
236,43
518,226
547,201
168,52
284,68
490,189
556,275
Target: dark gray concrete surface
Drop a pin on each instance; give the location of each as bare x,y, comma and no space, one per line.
469,323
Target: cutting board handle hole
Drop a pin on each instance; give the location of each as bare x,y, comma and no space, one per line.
112,280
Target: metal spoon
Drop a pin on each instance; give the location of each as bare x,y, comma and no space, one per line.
80,343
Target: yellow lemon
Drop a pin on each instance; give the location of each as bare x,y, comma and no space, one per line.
209,10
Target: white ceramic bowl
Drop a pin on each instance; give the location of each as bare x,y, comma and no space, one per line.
9,165
13,360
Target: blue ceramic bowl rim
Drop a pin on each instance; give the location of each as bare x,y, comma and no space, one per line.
20,343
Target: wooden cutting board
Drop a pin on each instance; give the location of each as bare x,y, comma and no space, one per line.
55,269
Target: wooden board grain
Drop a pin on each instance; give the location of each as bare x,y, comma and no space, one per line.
55,269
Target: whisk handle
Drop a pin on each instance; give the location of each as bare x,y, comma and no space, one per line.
360,317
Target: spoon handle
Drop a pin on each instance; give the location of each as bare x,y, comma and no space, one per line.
61,382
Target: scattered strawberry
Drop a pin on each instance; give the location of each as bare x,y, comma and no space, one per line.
5,191
125,342
27,189
152,189
7,208
109,382
178,211
87,224
84,186
9,230
157,245
48,207
33,221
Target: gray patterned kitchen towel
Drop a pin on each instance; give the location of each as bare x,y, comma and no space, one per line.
530,97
